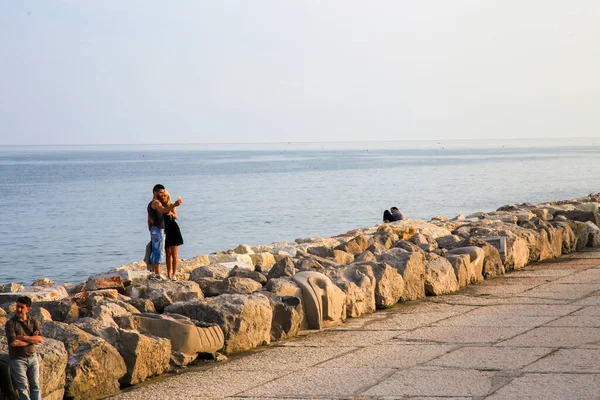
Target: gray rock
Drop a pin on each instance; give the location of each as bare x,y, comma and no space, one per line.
211,286
287,317
283,267
440,278
209,271
144,356
411,265
389,285
358,283
240,285
244,273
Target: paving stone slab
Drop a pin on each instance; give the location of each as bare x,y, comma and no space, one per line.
430,305
549,386
569,360
593,300
574,321
321,382
526,310
462,334
402,322
560,291
590,311
206,384
283,358
571,263
492,319
536,273
502,290
434,382
587,276
342,339
490,358
389,356
485,300
555,337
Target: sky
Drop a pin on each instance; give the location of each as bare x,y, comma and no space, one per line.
248,71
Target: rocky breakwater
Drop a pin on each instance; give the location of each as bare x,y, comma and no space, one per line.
118,328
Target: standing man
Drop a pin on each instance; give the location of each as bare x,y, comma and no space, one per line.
22,334
156,225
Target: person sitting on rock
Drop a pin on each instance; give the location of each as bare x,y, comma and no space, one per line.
392,215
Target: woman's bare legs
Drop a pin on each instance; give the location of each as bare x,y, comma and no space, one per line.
169,252
174,260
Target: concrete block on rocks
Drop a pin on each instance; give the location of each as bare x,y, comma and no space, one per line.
323,302
244,319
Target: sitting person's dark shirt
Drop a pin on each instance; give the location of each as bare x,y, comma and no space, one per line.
396,216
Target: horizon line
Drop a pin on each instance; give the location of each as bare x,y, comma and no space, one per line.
295,142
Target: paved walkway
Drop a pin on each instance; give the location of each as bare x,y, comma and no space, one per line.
532,334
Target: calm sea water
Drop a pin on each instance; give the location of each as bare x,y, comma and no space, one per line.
70,212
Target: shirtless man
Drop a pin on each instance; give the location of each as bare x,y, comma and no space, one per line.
156,225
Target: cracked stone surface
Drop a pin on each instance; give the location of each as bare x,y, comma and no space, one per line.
531,334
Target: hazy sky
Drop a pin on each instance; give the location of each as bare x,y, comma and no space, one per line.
145,71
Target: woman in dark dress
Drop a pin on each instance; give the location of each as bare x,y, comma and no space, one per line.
173,239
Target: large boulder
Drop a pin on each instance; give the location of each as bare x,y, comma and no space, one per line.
320,251
389,285
53,360
358,283
287,316
411,265
283,267
11,288
94,370
440,277
492,263
244,319
460,264
144,356
60,310
355,245
593,234
240,285
36,294
243,249
106,281
476,260
580,230
264,260
163,294
283,287
211,286
244,273
229,258
94,366
209,271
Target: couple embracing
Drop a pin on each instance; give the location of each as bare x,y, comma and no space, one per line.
164,232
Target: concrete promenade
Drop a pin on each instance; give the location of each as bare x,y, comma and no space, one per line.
532,334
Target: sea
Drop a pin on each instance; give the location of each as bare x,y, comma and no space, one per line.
72,211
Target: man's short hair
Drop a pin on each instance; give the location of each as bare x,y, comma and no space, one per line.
157,188
24,300
394,208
